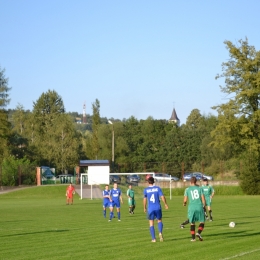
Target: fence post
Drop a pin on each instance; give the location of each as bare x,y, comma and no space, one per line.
38,176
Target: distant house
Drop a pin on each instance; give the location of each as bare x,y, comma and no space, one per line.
78,120
174,118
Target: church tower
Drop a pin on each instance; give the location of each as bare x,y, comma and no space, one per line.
174,118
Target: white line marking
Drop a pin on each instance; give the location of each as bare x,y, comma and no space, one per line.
244,253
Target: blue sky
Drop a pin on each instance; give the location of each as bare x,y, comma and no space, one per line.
138,58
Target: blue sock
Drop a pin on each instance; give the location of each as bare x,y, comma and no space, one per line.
152,231
105,213
118,215
111,215
160,227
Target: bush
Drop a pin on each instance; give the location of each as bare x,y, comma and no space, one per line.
250,177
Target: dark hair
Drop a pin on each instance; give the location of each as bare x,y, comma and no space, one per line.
193,180
151,180
205,179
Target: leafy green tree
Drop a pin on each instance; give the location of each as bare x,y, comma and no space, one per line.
239,118
46,112
4,123
194,119
4,89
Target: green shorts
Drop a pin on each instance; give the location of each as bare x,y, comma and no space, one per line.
196,214
131,202
208,201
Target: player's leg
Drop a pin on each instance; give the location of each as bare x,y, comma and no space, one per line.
184,223
205,212
192,231
152,231
118,211
158,215
200,229
151,218
130,206
210,213
133,206
71,199
200,217
104,211
111,208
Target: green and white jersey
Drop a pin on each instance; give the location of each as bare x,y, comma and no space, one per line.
194,196
207,190
130,193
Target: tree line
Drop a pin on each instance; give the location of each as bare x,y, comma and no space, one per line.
48,135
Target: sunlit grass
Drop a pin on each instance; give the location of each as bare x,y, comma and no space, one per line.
36,223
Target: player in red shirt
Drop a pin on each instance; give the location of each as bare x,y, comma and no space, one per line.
69,194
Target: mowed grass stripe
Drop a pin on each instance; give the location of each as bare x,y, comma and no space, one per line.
36,224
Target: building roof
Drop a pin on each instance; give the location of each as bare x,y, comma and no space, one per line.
94,163
174,116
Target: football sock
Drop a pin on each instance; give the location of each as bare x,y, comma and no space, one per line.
152,231
160,227
118,215
111,215
192,231
105,213
133,208
210,213
130,209
185,222
201,227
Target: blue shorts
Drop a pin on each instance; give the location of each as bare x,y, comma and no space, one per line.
155,214
114,203
106,204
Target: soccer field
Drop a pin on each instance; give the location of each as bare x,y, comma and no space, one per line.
36,224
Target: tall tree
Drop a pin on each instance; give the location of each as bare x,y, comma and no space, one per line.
239,118
4,124
4,89
46,112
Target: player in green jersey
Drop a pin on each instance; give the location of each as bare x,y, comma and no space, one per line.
131,199
208,194
196,199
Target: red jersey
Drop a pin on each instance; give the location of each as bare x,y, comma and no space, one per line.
70,191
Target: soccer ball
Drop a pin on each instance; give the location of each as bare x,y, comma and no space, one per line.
232,224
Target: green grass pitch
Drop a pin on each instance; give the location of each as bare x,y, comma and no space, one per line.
36,224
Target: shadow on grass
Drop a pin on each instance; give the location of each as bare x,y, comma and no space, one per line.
226,235
37,232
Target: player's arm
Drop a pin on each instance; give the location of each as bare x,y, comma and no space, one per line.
212,193
144,204
127,193
164,201
185,199
203,200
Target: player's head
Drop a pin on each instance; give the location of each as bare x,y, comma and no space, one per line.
205,180
115,185
151,180
130,186
193,180
106,187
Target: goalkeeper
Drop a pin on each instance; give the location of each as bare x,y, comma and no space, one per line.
131,199
69,194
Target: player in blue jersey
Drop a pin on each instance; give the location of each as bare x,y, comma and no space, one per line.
106,199
152,196
115,199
